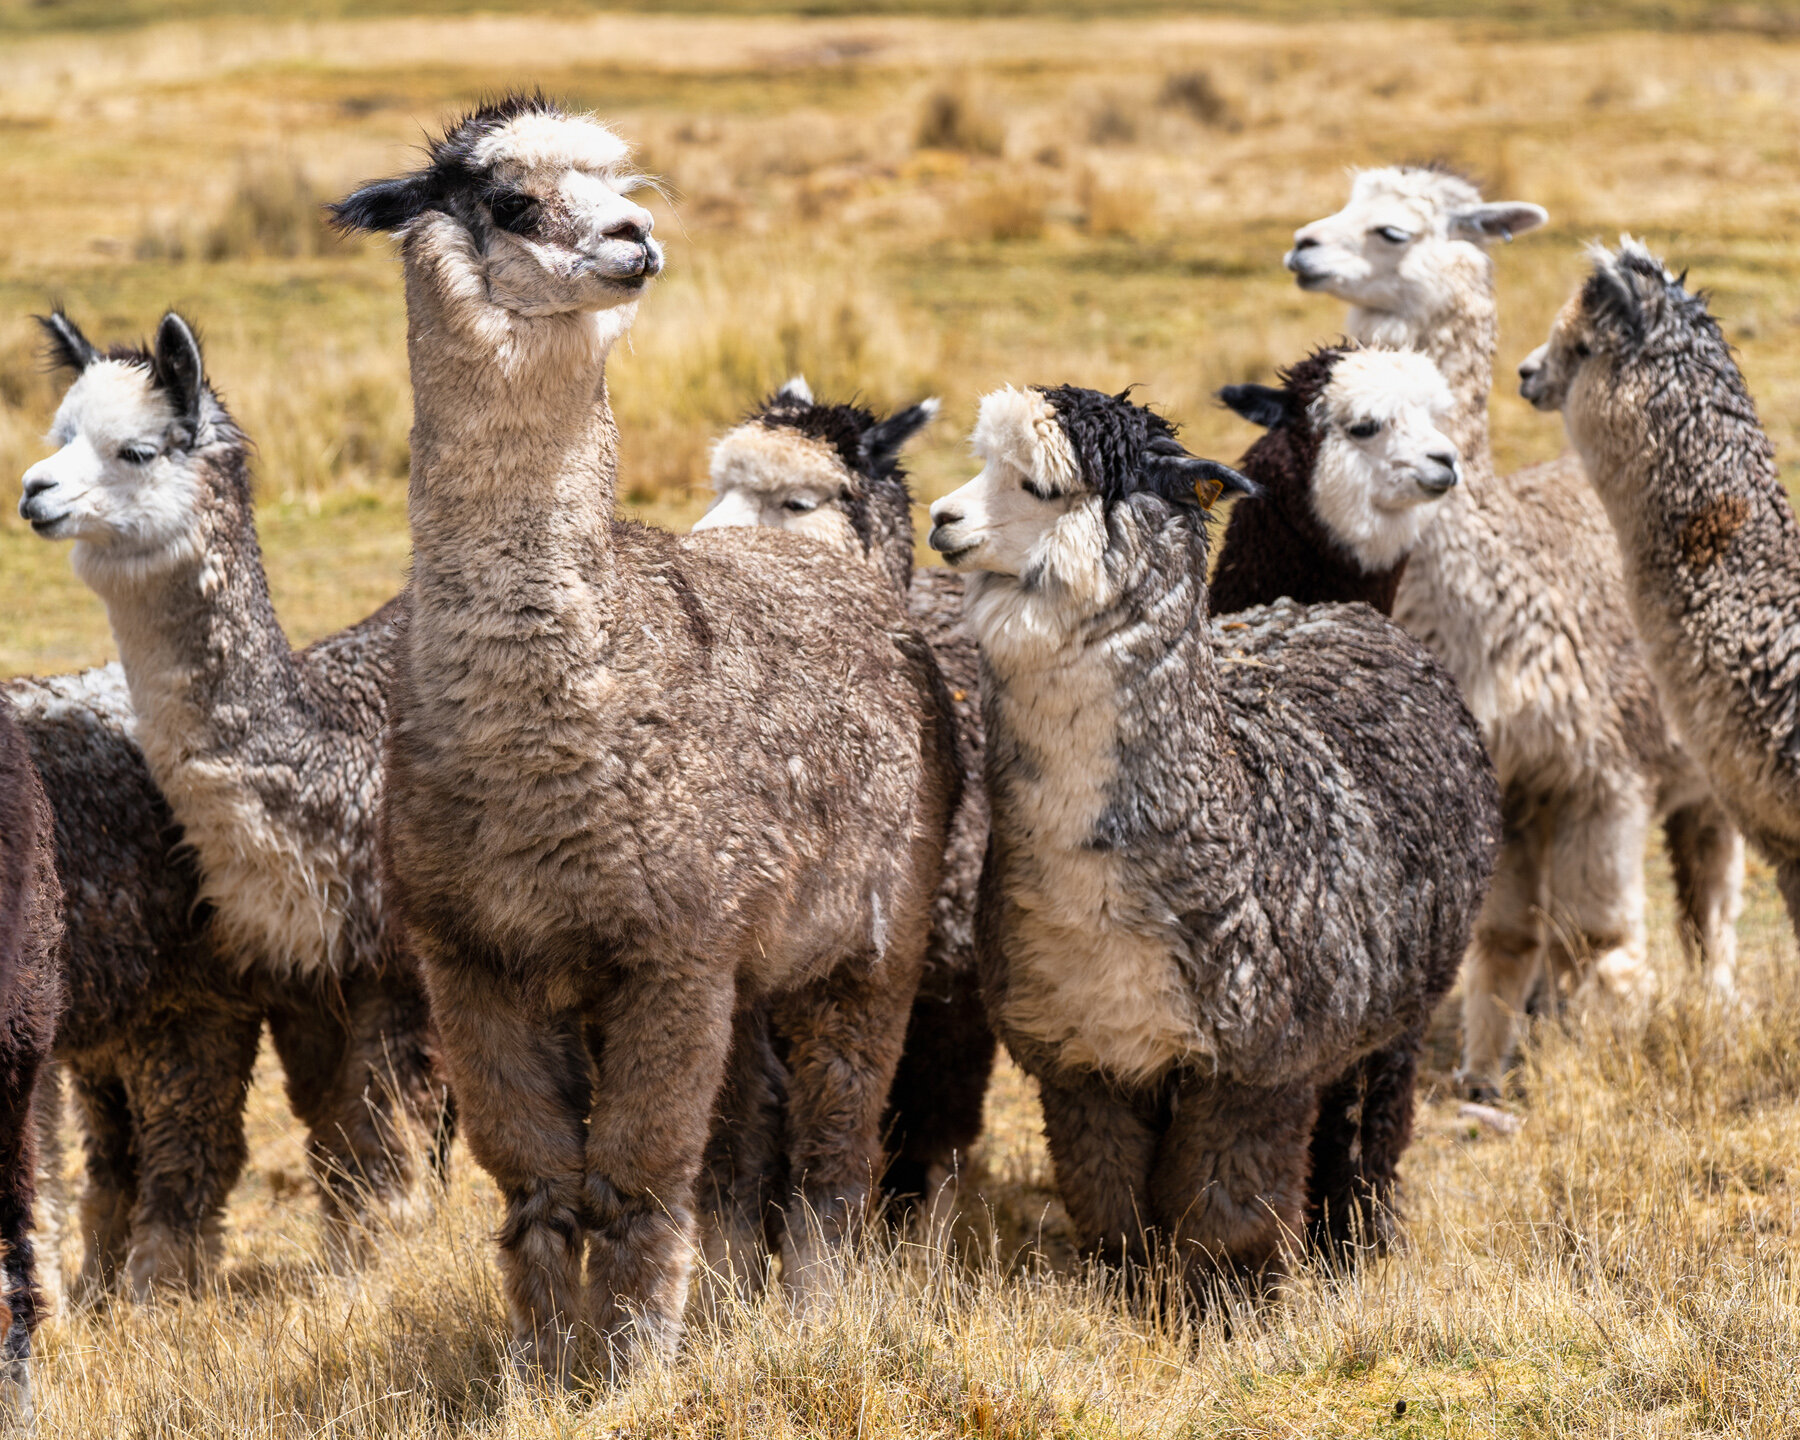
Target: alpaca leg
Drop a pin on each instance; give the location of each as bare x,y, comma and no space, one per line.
109,1190
1506,953
1102,1147
667,1031
22,1056
1787,881
52,1186
844,1035
186,1084
1228,1186
1598,934
746,1158
934,1109
1706,855
523,1083
1364,1126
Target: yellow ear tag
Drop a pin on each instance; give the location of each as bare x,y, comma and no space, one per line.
1208,491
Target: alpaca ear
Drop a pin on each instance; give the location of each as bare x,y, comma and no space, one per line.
386,204
1262,405
177,367
1611,298
881,445
1499,220
69,348
1183,478
796,390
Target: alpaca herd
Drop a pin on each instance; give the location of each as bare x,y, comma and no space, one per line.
693,880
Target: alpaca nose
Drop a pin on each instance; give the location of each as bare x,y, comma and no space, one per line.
1443,478
634,231
36,485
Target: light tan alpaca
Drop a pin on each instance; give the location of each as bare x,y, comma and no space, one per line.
634,782
1517,586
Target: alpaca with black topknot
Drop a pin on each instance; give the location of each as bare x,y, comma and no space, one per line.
1348,472
1226,860
30,986
833,472
1668,434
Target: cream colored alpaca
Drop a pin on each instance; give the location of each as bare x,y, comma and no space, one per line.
1517,586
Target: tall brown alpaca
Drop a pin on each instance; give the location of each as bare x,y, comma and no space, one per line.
633,781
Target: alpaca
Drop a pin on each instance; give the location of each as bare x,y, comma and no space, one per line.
1225,861
1517,587
634,782
832,471
156,1032
1349,470
1669,438
30,985
268,757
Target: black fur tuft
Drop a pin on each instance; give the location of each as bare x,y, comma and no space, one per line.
67,347
883,441
1126,449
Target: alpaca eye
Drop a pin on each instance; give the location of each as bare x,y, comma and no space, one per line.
515,211
1393,234
1581,350
1363,429
138,454
800,505
1033,489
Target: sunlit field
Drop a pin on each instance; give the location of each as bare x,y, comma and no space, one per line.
897,206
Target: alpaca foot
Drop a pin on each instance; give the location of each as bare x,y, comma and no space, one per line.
17,1412
160,1260
1625,978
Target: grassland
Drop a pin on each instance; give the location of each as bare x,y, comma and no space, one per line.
901,205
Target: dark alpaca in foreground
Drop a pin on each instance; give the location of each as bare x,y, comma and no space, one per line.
1226,860
1348,472
30,922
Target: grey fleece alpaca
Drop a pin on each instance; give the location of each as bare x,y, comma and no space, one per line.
30,929
635,783
268,756
1226,860
1669,437
833,471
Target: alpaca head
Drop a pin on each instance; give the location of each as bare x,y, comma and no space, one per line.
140,435
540,199
829,471
1361,430
1631,332
1056,464
1407,233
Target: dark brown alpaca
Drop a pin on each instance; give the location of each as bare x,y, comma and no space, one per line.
635,783
30,926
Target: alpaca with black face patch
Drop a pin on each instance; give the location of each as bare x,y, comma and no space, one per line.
1226,861
833,472
1668,434
268,756
637,784
1348,472
1517,586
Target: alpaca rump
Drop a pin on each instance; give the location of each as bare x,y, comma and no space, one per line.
30,995
269,757
833,472
155,1031
636,785
1226,861
1348,468
1518,587
1669,437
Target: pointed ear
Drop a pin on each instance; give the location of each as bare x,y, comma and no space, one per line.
1183,478
1612,299
882,443
1262,405
178,369
796,390
1499,220
68,346
386,204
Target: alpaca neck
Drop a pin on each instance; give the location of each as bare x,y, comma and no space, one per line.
1459,328
513,469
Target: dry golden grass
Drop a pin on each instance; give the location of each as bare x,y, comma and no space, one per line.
901,206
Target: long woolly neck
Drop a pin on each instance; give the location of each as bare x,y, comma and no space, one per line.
513,467
1456,323
206,659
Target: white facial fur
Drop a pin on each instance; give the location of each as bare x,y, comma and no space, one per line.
1386,250
1372,490
591,249
780,479
119,510
1027,511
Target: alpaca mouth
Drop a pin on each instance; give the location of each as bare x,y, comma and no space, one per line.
45,526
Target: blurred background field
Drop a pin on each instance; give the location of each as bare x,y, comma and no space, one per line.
900,204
